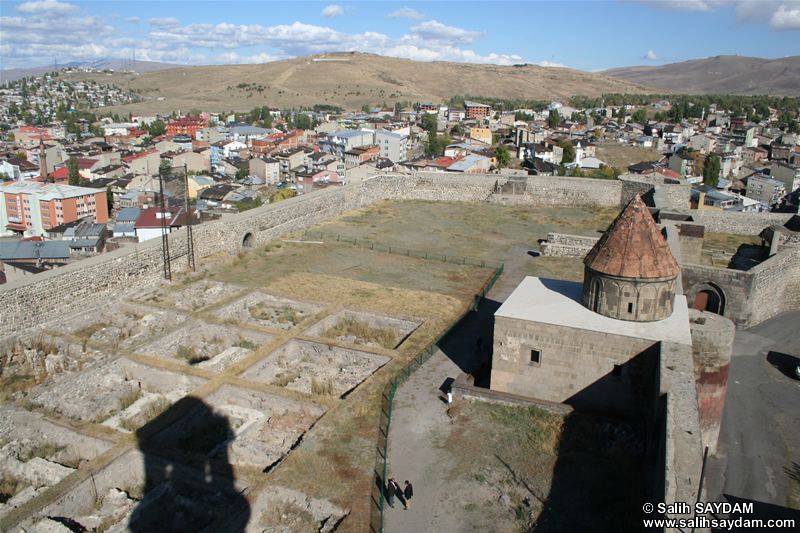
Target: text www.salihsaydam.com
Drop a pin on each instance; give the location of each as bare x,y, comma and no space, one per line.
716,523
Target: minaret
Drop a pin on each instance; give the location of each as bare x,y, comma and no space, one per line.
42,159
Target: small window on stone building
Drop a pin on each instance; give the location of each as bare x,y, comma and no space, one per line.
536,358
617,372
630,307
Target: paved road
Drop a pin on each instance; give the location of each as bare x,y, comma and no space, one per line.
759,443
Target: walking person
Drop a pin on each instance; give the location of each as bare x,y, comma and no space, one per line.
390,491
449,398
408,493
398,492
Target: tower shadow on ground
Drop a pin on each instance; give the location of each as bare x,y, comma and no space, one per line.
189,483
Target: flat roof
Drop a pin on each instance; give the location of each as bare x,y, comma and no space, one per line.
558,302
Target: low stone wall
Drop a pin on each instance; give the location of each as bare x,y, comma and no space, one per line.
572,192
462,389
737,222
550,249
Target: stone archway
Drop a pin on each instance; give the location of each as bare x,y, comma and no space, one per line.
248,241
709,297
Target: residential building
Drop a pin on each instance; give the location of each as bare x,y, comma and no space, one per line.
393,146
291,161
476,110
680,163
186,125
483,135
356,156
786,173
766,190
266,168
428,108
152,220
32,208
341,141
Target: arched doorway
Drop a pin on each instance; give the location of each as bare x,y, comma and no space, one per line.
709,299
249,241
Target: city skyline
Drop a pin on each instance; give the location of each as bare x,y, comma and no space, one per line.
587,35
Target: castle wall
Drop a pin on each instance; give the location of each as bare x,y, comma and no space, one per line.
737,222
572,192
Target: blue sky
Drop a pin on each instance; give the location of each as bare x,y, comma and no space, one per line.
587,35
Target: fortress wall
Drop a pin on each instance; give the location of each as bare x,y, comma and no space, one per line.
572,192
735,287
737,222
776,286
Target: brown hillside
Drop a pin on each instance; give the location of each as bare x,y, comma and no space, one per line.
352,81
720,75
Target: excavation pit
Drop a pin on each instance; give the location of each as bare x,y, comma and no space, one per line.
101,391
263,309
366,328
316,368
198,295
207,345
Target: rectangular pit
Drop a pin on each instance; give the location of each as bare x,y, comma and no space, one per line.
263,309
207,345
365,327
198,295
99,392
314,367
241,427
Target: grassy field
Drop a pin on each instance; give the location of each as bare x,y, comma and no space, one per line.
621,156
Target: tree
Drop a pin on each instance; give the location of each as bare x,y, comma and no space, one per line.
502,156
242,173
365,108
20,155
5,177
553,120
640,115
73,169
156,128
711,170
109,198
303,122
568,155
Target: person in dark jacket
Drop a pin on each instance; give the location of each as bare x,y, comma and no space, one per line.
398,492
408,493
390,490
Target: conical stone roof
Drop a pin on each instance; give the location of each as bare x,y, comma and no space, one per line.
633,247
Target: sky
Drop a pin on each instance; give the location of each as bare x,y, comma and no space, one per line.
589,35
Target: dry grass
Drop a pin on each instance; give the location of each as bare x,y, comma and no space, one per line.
128,399
363,333
364,79
621,156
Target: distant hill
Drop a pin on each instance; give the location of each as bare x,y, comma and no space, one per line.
720,75
14,74
351,80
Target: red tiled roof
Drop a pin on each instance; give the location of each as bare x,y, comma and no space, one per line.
633,247
134,157
149,217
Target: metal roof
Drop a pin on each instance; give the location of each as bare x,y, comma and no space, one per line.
11,251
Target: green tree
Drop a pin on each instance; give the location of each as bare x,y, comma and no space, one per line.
5,177
242,173
640,115
621,114
109,199
73,170
568,155
303,122
502,156
711,170
20,155
365,108
156,128
553,120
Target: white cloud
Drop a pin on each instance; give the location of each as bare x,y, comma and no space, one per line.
782,15
405,13
133,20
785,19
651,56
49,8
437,31
164,23
33,40
333,11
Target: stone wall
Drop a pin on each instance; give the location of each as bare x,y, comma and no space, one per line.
30,301
737,222
776,286
575,366
572,192
753,296
561,245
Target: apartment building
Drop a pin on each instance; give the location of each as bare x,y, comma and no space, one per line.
32,208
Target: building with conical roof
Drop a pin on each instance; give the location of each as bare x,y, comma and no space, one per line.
630,273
